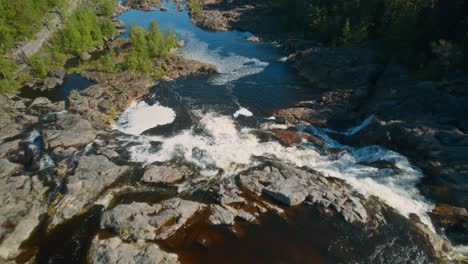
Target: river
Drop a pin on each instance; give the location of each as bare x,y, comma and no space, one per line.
215,123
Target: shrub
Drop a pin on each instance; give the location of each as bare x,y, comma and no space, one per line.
148,44
108,27
195,7
81,32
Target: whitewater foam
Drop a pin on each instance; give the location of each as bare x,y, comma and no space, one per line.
141,116
242,111
224,150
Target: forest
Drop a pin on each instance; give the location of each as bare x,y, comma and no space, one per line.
429,36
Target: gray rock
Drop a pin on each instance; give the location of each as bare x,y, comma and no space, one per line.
8,168
220,216
71,131
292,186
59,73
52,82
115,251
92,176
85,56
165,174
149,222
22,202
8,147
42,105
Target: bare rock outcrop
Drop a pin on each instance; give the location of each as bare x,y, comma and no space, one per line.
115,251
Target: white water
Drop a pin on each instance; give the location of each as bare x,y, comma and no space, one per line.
140,117
242,111
230,67
226,150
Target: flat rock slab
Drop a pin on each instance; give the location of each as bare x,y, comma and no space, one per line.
92,176
165,174
150,222
115,251
291,186
71,131
22,202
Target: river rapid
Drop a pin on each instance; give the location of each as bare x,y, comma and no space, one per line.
215,122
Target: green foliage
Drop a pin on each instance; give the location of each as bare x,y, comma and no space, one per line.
7,68
148,44
404,29
107,64
81,32
20,19
108,27
42,65
195,7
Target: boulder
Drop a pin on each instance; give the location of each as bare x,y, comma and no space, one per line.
165,174
42,106
58,73
291,186
138,221
115,251
92,176
253,39
70,131
52,82
85,56
23,201
301,114
220,216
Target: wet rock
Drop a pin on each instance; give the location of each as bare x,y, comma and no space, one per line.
220,216
85,56
179,67
181,43
70,131
52,82
253,39
143,221
453,221
290,138
92,176
119,24
115,251
165,174
292,186
22,203
301,114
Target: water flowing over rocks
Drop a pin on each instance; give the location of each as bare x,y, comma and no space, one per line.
149,222
115,251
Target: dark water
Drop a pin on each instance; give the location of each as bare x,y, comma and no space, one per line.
71,82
